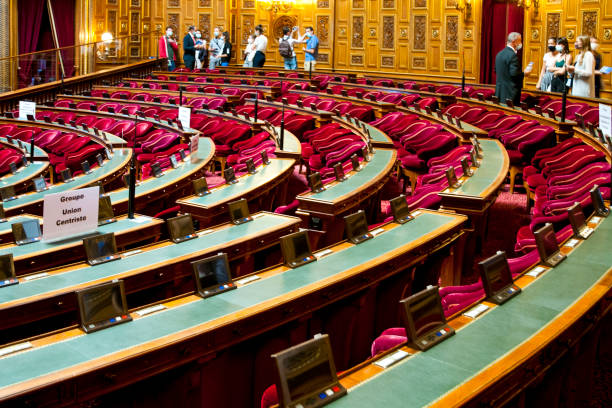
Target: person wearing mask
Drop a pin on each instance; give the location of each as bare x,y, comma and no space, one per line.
597,55
559,71
215,47
189,48
583,71
549,60
261,45
508,69
285,48
200,53
168,48
311,50
249,52
226,51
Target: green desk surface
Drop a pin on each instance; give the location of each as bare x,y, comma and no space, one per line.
381,160
66,354
290,142
145,260
5,227
25,173
422,379
206,149
119,160
493,163
246,183
377,135
36,248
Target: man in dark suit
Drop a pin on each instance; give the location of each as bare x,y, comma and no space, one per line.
508,70
189,48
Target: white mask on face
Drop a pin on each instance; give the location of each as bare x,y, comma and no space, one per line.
198,35
216,33
594,46
168,33
518,47
559,48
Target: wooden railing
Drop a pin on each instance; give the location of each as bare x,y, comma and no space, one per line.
76,85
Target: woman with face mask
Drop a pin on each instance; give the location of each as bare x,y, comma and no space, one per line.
559,71
549,60
584,69
200,46
249,52
215,47
261,45
226,51
597,55
168,48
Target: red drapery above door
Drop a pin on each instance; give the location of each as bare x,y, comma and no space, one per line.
499,19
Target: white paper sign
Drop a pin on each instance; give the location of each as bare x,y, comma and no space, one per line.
605,119
70,212
26,108
184,116
194,144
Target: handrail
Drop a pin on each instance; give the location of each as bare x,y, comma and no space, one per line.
47,92
78,45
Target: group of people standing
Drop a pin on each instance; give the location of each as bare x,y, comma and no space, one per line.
558,71
218,50
195,49
255,51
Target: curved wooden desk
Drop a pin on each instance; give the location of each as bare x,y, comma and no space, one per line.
495,357
340,198
32,202
262,190
22,180
165,266
193,328
44,255
152,193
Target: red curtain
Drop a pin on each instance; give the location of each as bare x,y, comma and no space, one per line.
499,18
63,12
29,19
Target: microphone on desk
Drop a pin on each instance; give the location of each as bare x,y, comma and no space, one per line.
256,103
282,126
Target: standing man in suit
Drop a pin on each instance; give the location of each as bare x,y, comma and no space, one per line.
189,48
508,70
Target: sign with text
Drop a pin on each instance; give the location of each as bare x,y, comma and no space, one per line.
184,116
194,142
605,119
70,213
26,108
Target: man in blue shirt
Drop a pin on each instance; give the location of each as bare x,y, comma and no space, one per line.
311,51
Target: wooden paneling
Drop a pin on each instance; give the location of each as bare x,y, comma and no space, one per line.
122,17
568,18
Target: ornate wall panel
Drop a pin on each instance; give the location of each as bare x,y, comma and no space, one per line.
388,35
419,28
553,21
357,37
388,40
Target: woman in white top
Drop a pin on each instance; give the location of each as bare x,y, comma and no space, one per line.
261,44
549,60
249,52
584,69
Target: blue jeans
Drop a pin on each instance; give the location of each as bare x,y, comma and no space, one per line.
291,63
213,62
171,65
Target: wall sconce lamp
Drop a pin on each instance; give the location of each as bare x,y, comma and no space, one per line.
465,6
